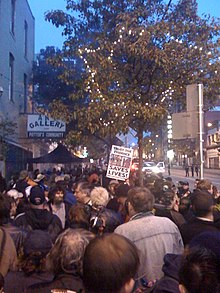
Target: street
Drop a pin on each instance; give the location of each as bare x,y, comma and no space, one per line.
178,174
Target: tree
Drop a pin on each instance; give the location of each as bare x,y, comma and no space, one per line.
48,78
7,129
138,57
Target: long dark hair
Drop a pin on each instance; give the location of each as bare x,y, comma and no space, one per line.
32,263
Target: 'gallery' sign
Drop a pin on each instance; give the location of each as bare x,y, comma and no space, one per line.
120,160
40,126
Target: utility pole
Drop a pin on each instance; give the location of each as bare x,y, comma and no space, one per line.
201,129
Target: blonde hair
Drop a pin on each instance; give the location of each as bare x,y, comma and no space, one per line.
99,196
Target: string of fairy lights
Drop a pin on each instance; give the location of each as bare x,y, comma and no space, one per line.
93,87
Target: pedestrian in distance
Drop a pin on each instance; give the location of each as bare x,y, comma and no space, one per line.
187,170
197,170
192,170
168,167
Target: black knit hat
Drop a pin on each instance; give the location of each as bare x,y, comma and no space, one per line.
122,190
37,196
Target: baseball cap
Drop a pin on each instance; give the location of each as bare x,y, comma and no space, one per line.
23,174
185,183
59,178
37,196
14,193
114,182
39,177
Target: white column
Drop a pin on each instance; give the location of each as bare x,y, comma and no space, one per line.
201,129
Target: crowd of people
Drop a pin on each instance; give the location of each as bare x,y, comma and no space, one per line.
81,232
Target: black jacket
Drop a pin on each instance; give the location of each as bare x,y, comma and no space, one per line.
194,227
17,234
62,281
17,282
40,219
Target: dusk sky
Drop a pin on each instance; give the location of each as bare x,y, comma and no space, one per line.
48,35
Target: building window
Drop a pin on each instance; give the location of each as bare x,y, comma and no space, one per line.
11,77
12,22
25,93
25,38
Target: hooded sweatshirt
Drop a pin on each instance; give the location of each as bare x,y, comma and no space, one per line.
40,219
170,282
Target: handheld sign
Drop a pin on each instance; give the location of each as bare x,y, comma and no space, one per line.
120,160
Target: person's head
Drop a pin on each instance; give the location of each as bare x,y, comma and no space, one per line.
15,194
35,248
40,178
205,185
196,182
5,208
67,253
113,184
160,184
15,198
184,205
215,191
110,264
140,199
99,197
56,195
82,191
93,178
121,193
202,203
185,185
199,272
167,198
36,172
79,216
37,197
23,175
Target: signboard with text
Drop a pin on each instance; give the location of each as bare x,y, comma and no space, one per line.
120,161
41,126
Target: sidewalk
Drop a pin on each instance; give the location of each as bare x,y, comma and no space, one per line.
206,170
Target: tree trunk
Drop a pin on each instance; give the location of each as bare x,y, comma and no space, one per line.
140,155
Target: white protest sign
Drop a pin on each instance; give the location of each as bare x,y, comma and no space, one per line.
120,160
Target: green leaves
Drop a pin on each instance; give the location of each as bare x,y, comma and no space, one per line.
136,58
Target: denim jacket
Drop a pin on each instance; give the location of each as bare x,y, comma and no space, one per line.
154,237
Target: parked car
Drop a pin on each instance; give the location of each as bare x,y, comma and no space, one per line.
152,167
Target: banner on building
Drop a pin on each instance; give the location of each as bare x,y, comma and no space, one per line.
41,126
120,161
